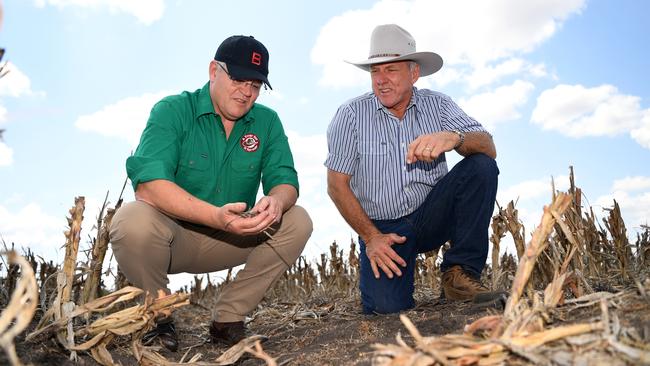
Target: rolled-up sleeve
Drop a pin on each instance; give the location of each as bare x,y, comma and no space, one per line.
342,146
278,167
157,154
454,118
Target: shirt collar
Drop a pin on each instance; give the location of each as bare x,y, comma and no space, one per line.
204,105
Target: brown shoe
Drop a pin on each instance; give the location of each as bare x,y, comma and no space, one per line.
459,285
228,333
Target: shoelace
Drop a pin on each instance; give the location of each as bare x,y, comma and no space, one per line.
465,276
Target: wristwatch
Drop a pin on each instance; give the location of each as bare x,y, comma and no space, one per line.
461,135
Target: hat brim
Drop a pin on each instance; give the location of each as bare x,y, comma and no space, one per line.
429,62
243,73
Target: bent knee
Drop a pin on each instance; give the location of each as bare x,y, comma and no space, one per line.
483,164
137,225
300,222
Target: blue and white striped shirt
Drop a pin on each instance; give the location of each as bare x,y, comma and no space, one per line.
368,142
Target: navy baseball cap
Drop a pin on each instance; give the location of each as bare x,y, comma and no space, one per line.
246,58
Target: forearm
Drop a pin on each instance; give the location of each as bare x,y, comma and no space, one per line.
286,194
351,210
478,142
174,201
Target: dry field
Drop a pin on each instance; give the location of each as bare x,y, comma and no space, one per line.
579,294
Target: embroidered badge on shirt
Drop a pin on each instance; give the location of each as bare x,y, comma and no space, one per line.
249,142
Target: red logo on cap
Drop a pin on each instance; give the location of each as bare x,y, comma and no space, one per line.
256,58
249,142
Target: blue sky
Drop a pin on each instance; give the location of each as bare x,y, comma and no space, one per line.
559,83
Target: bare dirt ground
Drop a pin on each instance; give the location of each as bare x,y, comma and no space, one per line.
329,333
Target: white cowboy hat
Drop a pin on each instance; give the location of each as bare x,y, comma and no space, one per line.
392,43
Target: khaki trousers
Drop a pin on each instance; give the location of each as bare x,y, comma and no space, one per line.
148,245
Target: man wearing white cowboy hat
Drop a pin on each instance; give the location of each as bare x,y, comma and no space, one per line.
387,175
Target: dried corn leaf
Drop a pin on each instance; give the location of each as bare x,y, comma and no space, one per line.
20,310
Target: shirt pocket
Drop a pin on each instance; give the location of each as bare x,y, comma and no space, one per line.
193,172
246,168
195,161
373,160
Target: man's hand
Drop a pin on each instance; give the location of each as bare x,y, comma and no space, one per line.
232,220
429,147
381,255
271,205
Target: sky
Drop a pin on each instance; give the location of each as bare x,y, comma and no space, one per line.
558,83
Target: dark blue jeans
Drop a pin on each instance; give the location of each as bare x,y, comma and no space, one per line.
458,209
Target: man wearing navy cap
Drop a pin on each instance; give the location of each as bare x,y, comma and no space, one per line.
196,174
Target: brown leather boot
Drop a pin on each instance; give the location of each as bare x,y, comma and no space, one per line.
459,285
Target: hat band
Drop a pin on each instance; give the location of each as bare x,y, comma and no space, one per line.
385,55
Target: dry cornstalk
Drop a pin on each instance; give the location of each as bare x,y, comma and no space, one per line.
72,246
20,310
64,304
515,228
622,249
102,304
132,320
499,227
147,356
98,253
465,349
537,244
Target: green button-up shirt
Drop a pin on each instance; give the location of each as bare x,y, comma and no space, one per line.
184,142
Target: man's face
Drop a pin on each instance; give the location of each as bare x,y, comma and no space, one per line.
231,99
392,83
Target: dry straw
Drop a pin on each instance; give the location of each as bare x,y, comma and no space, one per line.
571,263
20,310
524,332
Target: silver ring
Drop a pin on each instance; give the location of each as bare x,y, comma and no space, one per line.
427,148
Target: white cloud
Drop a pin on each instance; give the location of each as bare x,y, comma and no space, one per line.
445,76
486,74
635,207
641,134
124,119
146,11
532,189
6,154
309,153
499,105
15,83
3,114
33,228
577,111
530,197
633,196
631,193
499,29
